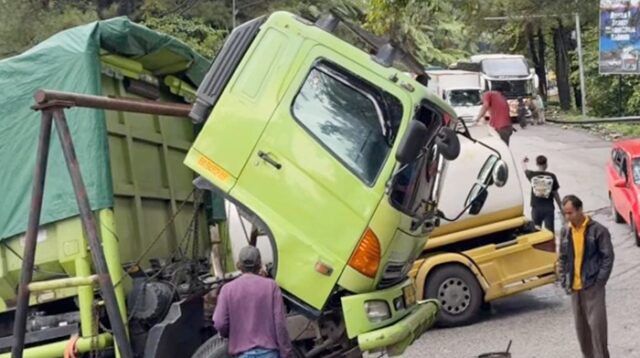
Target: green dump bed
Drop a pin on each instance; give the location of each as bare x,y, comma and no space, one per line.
131,163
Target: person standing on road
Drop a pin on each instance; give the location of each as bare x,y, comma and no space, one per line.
544,191
250,312
585,262
496,103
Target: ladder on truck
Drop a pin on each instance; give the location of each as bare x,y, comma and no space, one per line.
52,104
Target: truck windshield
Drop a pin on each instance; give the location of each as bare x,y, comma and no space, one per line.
505,67
465,98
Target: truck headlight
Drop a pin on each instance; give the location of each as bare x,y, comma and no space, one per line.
377,310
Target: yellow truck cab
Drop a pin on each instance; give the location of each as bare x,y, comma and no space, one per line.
494,254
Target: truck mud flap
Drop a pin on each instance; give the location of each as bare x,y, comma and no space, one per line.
179,334
223,68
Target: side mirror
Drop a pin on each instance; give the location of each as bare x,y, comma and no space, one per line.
500,173
476,198
536,82
494,171
412,142
484,175
620,183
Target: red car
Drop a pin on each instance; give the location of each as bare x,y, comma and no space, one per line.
623,173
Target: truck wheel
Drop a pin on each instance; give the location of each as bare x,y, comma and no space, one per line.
458,292
634,231
616,217
214,347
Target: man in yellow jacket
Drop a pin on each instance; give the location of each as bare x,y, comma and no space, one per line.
586,261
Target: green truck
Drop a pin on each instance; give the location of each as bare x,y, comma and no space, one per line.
335,156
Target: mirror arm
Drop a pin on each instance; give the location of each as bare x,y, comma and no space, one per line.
490,148
466,132
467,135
464,210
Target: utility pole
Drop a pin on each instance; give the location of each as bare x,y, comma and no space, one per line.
233,11
583,95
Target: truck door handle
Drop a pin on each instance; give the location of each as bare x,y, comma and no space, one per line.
267,158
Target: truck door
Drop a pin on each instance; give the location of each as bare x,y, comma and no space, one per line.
319,169
626,193
621,196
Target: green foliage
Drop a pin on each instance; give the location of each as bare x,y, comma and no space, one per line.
432,30
437,32
202,38
25,23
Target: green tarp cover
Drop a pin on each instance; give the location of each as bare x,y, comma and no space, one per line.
68,61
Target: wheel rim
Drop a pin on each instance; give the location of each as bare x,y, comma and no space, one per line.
454,295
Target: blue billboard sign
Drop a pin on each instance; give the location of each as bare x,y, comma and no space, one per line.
619,37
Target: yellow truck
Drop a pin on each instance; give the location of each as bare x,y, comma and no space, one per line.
479,258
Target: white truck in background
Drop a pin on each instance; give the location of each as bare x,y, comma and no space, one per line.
461,89
508,72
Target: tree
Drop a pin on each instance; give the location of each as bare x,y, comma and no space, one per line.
195,33
561,42
430,29
25,23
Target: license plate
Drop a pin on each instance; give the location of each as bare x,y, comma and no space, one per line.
409,295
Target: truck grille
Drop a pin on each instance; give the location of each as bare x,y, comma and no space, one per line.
394,273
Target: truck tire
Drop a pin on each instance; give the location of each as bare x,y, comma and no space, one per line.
459,293
214,347
634,231
616,217
218,347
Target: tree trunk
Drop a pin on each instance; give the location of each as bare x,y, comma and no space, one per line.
537,57
562,66
127,8
541,69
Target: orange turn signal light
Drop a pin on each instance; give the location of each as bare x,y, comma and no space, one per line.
366,257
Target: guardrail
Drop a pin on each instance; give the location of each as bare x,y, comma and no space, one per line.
632,119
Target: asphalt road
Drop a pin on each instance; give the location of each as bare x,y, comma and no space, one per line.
540,322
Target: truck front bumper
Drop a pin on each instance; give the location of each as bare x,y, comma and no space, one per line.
405,320
397,337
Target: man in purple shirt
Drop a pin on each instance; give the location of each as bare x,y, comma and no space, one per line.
250,312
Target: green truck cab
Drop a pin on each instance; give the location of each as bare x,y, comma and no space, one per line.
337,157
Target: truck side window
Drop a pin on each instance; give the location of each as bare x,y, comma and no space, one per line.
617,159
347,119
623,167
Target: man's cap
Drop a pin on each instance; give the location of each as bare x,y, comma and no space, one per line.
249,257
